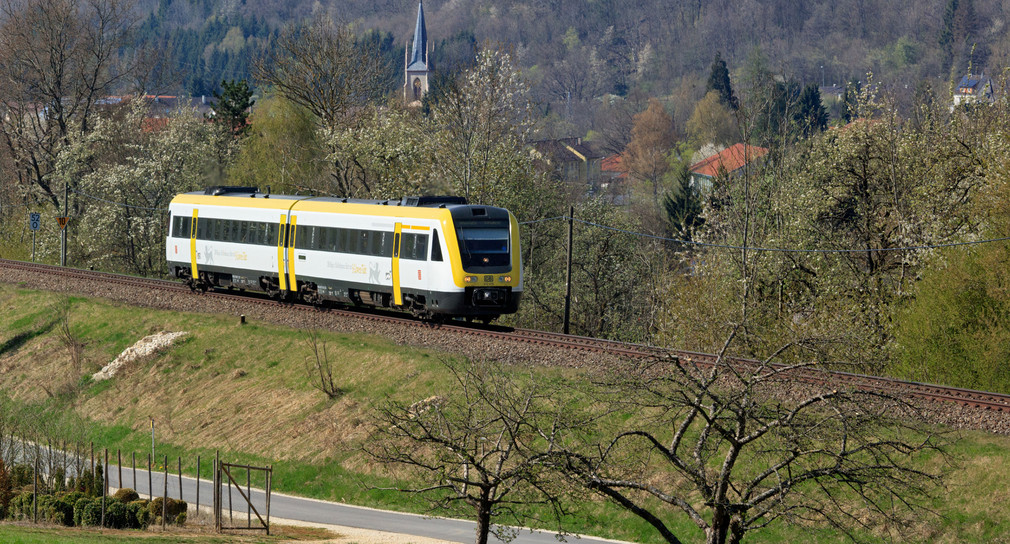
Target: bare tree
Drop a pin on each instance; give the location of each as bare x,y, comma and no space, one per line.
486,449
324,68
319,367
67,336
736,446
57,59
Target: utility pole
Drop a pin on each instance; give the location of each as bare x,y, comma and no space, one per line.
568,274
63,231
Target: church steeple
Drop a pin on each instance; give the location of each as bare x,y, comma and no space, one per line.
419,53
416,65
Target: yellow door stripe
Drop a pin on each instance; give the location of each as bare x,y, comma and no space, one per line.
281,234
192,246
397,235
292,231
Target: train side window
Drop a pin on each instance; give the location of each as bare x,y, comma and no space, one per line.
376,243
271,235
201,228
256,233
362,242
387,244
436,246
186,227
176,226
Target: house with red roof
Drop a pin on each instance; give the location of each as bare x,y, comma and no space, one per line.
727,162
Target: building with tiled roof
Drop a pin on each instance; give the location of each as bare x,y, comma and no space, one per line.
725,163
572,161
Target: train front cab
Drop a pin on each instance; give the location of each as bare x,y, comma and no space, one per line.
486,263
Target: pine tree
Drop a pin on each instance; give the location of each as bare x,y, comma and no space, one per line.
718,80
684,207
233,105
811,117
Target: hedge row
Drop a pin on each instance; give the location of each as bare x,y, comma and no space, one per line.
124,510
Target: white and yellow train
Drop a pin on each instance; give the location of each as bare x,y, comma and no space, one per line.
434,256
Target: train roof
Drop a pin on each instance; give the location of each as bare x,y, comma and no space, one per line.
425,201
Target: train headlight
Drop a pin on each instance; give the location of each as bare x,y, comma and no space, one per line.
505,279
470,279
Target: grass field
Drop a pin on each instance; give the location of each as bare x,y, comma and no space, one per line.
243,391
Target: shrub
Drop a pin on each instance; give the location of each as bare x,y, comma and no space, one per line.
61,511
173,509
126,494
141,516
116,514
92,514
20,506
180,520
79,506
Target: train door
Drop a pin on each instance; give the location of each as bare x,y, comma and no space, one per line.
397,238
286,252
412,267
192,245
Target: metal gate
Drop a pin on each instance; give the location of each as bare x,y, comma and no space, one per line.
225,482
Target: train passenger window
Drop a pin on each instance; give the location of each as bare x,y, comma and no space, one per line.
186,227
362,247
387,244
271,235
176,226
201,228
243,232
375,247
436,247
256,233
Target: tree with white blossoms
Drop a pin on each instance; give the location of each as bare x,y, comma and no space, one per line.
391,150
483,124
129,170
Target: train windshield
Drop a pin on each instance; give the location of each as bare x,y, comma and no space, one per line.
484,246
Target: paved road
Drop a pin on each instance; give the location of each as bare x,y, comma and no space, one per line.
296,508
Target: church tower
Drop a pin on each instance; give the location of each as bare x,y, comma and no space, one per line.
417,66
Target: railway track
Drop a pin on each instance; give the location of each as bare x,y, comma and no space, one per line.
994,402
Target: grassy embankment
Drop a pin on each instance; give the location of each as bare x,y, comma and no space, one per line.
243,390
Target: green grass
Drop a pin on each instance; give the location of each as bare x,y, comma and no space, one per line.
272,360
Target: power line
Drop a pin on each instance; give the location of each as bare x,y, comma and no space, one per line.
770,249
120,204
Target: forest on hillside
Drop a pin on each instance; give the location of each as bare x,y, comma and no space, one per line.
578,51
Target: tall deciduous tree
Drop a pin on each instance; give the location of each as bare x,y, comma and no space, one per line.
712,123
57,59
484,122
647,156
130,171
325,69
283,149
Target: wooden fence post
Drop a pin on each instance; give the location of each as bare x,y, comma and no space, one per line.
164,500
